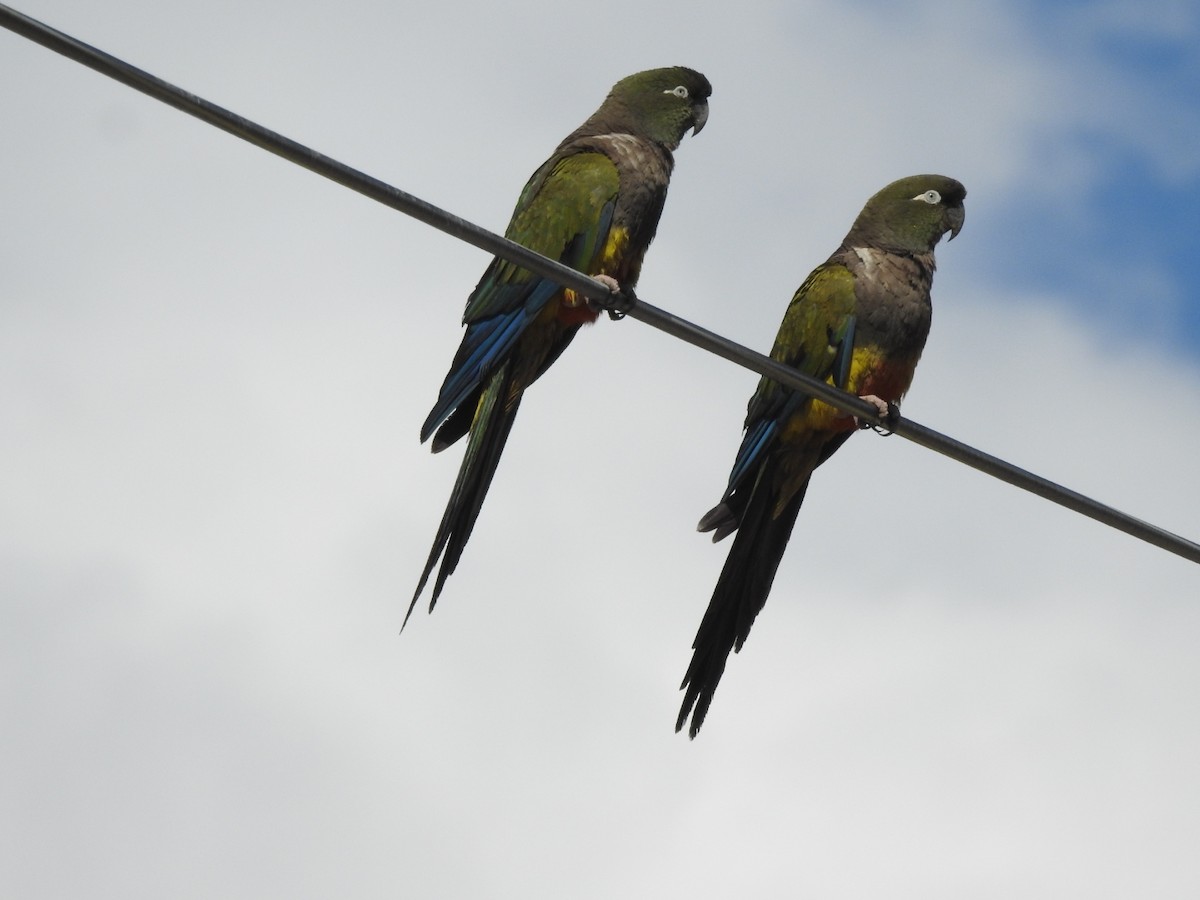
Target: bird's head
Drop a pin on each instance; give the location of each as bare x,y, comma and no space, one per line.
659,104
911,215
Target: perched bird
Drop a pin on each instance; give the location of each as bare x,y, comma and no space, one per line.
858,321
593,205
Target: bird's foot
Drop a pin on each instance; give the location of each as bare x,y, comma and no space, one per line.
619,302
574,299
888,412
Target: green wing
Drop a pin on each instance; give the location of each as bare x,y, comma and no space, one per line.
565,212
816,337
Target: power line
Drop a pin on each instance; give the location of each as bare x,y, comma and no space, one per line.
635,308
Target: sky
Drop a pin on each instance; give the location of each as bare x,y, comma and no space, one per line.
214,506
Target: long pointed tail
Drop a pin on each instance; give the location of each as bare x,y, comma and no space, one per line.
740,594
493,420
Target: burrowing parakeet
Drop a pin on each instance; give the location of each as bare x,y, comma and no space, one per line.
859,321
593,205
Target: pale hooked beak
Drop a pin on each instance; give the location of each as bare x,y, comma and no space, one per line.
699,116
955,216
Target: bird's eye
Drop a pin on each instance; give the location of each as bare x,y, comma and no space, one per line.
680,92
930,197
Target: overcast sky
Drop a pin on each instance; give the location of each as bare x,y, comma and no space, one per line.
214,507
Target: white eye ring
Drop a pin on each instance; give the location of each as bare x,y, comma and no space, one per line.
679,92
930,197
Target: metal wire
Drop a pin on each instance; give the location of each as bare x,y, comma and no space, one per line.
635,308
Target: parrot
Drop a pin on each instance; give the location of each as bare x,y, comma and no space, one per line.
594,205
858,321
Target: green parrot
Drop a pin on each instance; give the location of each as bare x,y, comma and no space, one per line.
593,205
859,321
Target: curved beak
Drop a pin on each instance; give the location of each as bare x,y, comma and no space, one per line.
955,216
699,116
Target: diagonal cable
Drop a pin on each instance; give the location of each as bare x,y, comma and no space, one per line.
635,308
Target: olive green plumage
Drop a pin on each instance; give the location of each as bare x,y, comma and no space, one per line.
593,205
859,321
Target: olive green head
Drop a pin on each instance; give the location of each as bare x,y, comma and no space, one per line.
659,104
911,215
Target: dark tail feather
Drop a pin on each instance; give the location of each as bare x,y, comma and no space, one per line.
489,432
740,594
